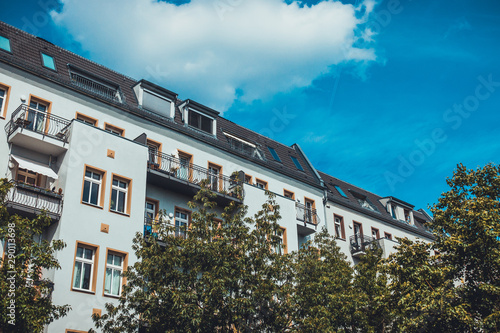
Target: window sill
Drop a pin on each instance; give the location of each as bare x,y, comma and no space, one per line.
91,205
119,213
111,296
90,292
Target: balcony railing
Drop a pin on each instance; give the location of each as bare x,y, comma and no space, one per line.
112,93
151,229
37,121
32,199
307,215
194,174
359,244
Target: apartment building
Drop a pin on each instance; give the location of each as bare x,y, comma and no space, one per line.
103,153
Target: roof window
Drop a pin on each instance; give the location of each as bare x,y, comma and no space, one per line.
297,163
4,43
274,153
48,61
340,191
95,84
244,146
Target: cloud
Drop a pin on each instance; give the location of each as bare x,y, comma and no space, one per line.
217,51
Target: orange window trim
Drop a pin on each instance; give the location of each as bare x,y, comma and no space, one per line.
342,230
96,262
247,176
306,199
292,194
217,166
49,108
285,240
190,158
115,128
69,330
103,185
82,116
257,180
129,193
6,99
124,268
157,206
155,143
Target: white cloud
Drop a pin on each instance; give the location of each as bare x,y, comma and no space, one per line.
210,50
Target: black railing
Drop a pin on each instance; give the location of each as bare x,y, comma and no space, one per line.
306,214
246,149
151,229
37,121
194,174
360,243
34,199
95,87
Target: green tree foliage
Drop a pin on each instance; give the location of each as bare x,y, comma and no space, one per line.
24,294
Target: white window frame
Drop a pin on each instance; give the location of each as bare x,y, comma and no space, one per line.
3,99
338,224
115,191
214,177
113,268
92,181
180,221
82,260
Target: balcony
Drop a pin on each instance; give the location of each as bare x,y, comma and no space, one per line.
28,200
308,218
359,244
32,128
177,175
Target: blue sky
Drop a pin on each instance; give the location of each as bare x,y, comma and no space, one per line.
387,95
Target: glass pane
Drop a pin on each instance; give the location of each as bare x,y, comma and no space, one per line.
116,282
118,261
87,270
48,61
94,195
89,254
2,93
206,124
96,176
4,43
88,174
79,252
113,199
122,184
110,258
86,191
149,206
107,283
121,201
78,274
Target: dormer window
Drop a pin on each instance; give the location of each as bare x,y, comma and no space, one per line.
5,43
155,99
199,121
243,146
94,84
364,201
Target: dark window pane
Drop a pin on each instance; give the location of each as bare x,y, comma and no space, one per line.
86,190
206,124
113,199
94,194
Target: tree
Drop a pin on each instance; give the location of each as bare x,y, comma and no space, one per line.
217,275
24,294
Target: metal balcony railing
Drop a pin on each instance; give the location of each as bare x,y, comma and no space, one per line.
37,121
112,93
34,199
360,243
194,174
151,228
307,215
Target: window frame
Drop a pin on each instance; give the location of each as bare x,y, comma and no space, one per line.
128,193
101,190
42,54
263,182
124,266
220,183
360,228
284,241
340,191
274,154
177,233
158,146
377,232
341,224
313,209
297,164
201,116
48,111
292,194
5,102
112,129
95,263
10,45
86,119
387,236
247,176
189,157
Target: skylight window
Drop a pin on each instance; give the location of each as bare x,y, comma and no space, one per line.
297,164
4,43
274,153
340,191
48,61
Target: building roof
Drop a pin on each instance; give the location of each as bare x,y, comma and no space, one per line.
352,197
26,55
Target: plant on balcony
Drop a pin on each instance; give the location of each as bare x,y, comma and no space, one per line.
25,295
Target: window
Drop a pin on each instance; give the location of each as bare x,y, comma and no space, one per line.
364,201
37,112
93,189
48,61
120,198
185,162
407,216
358,228
280,247
375,233
114,130
86,119
289,194
4,99
154,151
261,184
115,263
310,210
84,270
94,84
181,222
339,226
151,216
4,44
244,147
248,179
214,176
340,191
393,212
387,235
200,121
27,176
297,164
275,154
